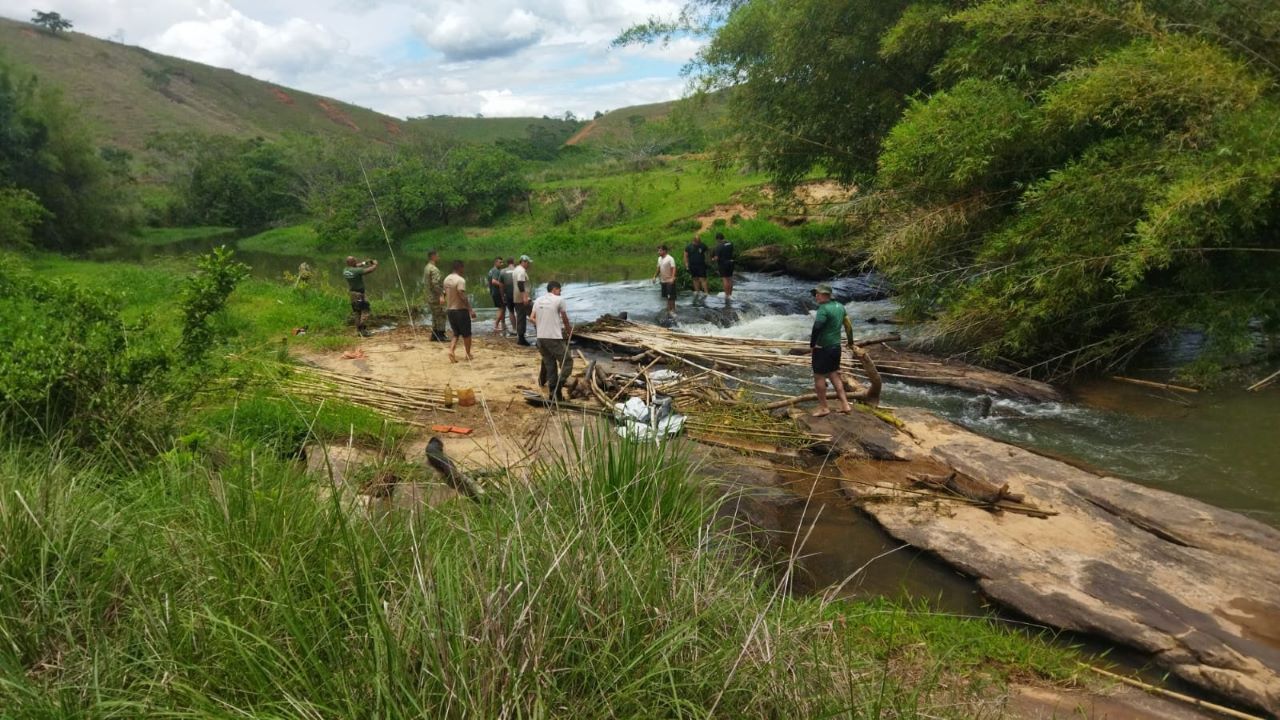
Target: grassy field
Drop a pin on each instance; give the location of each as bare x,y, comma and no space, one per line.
481,130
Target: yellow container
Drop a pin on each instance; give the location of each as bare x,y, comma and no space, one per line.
466,397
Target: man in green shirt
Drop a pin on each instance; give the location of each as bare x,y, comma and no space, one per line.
824,344
497,294
433,281
354,274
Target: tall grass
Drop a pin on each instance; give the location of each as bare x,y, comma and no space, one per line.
244,587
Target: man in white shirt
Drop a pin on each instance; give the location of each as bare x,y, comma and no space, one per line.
553,329
666,275
524,297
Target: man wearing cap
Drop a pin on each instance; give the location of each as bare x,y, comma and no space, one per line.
524,298
551,323
433,281
824,345
354,274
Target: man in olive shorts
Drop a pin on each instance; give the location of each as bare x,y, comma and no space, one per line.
433,281
824,344
354,274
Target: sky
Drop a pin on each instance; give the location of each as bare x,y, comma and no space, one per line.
410,57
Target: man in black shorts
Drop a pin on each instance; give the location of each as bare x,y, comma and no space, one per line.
666,275
723,256
498,297
695,258
458,310
824,345
354,274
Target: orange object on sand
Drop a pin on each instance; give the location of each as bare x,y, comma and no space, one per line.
357,354
460,430
455,429
441,428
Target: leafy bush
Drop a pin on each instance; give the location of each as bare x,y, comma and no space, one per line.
204,295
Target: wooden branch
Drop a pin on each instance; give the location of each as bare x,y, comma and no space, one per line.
1149,383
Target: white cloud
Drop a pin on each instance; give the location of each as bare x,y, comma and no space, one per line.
410,57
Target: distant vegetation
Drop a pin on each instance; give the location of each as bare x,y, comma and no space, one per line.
1058,183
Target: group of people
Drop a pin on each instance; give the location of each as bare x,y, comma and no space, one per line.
512,291
695,260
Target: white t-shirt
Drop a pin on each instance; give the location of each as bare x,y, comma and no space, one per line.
667,269
546,316
520,275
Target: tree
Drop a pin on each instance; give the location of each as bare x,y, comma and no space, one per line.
1057,184
51,21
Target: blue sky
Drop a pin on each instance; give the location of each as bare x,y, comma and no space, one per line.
410,57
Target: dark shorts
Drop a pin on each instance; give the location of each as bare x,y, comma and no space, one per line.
358,302
496,296
698,271
460,322
826,360
726,269
669,291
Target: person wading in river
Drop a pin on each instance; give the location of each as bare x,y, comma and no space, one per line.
824,344
722,254
666,275
695,258
433,281
553,329
354,274
459,310
497,295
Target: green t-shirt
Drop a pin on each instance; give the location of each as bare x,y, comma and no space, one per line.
494,274
354,277
828,324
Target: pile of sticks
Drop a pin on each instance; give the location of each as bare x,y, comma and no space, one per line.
406,402
724,356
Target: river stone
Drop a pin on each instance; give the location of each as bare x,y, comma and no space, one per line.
1196,586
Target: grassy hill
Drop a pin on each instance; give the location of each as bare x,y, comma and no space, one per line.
619,126
483,130
128,93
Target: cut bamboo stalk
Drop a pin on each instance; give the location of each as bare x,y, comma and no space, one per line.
1150,383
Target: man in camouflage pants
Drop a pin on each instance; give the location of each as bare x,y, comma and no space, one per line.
433,281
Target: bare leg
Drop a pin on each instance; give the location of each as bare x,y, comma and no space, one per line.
453,345
466,343
839,385
820,389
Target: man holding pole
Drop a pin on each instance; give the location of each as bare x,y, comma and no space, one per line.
354,274
551,323
433,281
824,345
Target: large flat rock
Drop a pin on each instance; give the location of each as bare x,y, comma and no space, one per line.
1196,586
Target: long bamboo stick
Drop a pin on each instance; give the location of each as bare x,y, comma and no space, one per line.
1157,690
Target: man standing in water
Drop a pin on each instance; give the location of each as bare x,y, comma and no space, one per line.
695,258
524,298
824,344
723,256
460,311
433,281
553,329
498,297
666,275
354,274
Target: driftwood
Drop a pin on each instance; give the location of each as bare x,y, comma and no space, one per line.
1264,382
456,479
1153,384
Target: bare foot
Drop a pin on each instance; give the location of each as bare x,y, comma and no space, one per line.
823,412
845,410
469,358
452,359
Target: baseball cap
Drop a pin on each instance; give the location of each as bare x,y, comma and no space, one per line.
821,288
524,258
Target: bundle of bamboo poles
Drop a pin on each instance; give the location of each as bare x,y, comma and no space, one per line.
723,356
403,401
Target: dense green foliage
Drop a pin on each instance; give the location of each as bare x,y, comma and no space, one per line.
1057,183
204,295
56,190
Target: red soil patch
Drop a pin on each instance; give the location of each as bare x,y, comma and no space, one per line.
336,115
582,134
282,96
30,33
393,127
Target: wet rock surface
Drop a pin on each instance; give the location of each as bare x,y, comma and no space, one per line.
1195,586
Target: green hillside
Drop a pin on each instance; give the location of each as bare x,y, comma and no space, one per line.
483,129
128,93
620,126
